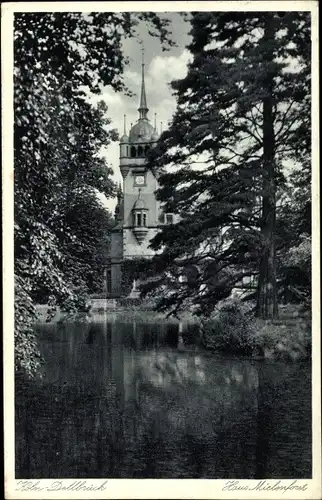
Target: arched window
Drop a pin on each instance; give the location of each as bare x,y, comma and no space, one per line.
133,152
127,150
147,149
140,151
144,220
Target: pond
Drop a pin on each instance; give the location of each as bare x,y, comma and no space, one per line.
130,399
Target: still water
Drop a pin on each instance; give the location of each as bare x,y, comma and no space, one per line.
135,400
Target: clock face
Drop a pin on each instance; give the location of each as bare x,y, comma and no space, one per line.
139,179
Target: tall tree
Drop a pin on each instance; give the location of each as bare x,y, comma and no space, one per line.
243,113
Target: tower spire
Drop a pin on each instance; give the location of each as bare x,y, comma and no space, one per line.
124,124
143,109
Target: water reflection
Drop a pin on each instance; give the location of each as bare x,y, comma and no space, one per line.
137,401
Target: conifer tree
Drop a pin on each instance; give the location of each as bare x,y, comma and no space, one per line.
242,121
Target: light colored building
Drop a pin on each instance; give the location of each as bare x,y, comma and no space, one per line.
138,213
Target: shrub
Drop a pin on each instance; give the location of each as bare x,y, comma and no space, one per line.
27,355
286,340
230,328
233,329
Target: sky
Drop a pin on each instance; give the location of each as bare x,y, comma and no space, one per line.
160,68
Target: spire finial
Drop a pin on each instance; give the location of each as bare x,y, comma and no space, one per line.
161,127
143,109
124,124
155,122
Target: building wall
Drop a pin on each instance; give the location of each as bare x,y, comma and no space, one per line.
116,252
133,249
147,194
124,244
116,279
116,262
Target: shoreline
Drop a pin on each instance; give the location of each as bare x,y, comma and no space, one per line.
286,339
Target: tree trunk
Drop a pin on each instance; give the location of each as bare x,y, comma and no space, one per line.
266,292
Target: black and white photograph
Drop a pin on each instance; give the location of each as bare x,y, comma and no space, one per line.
165,257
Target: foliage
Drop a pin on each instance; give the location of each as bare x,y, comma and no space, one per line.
79,49
294,240
229,329
232,329
242,118
27,356
61,228
285,340
296,273
138,269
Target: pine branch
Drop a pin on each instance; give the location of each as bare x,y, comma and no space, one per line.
285,116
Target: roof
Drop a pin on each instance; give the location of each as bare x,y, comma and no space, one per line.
139,204
142,131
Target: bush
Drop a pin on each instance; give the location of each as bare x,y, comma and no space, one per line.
230,328
286,340
233,329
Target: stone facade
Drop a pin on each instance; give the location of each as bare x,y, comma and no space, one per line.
138,213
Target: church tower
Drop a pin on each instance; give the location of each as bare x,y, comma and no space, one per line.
137,213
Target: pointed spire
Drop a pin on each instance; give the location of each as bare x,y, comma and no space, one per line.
124,124
143,109
161,127
155,122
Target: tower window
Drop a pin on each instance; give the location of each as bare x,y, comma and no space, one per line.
133,152
168,218
140,151
140,219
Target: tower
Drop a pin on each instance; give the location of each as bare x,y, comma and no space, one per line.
137,213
